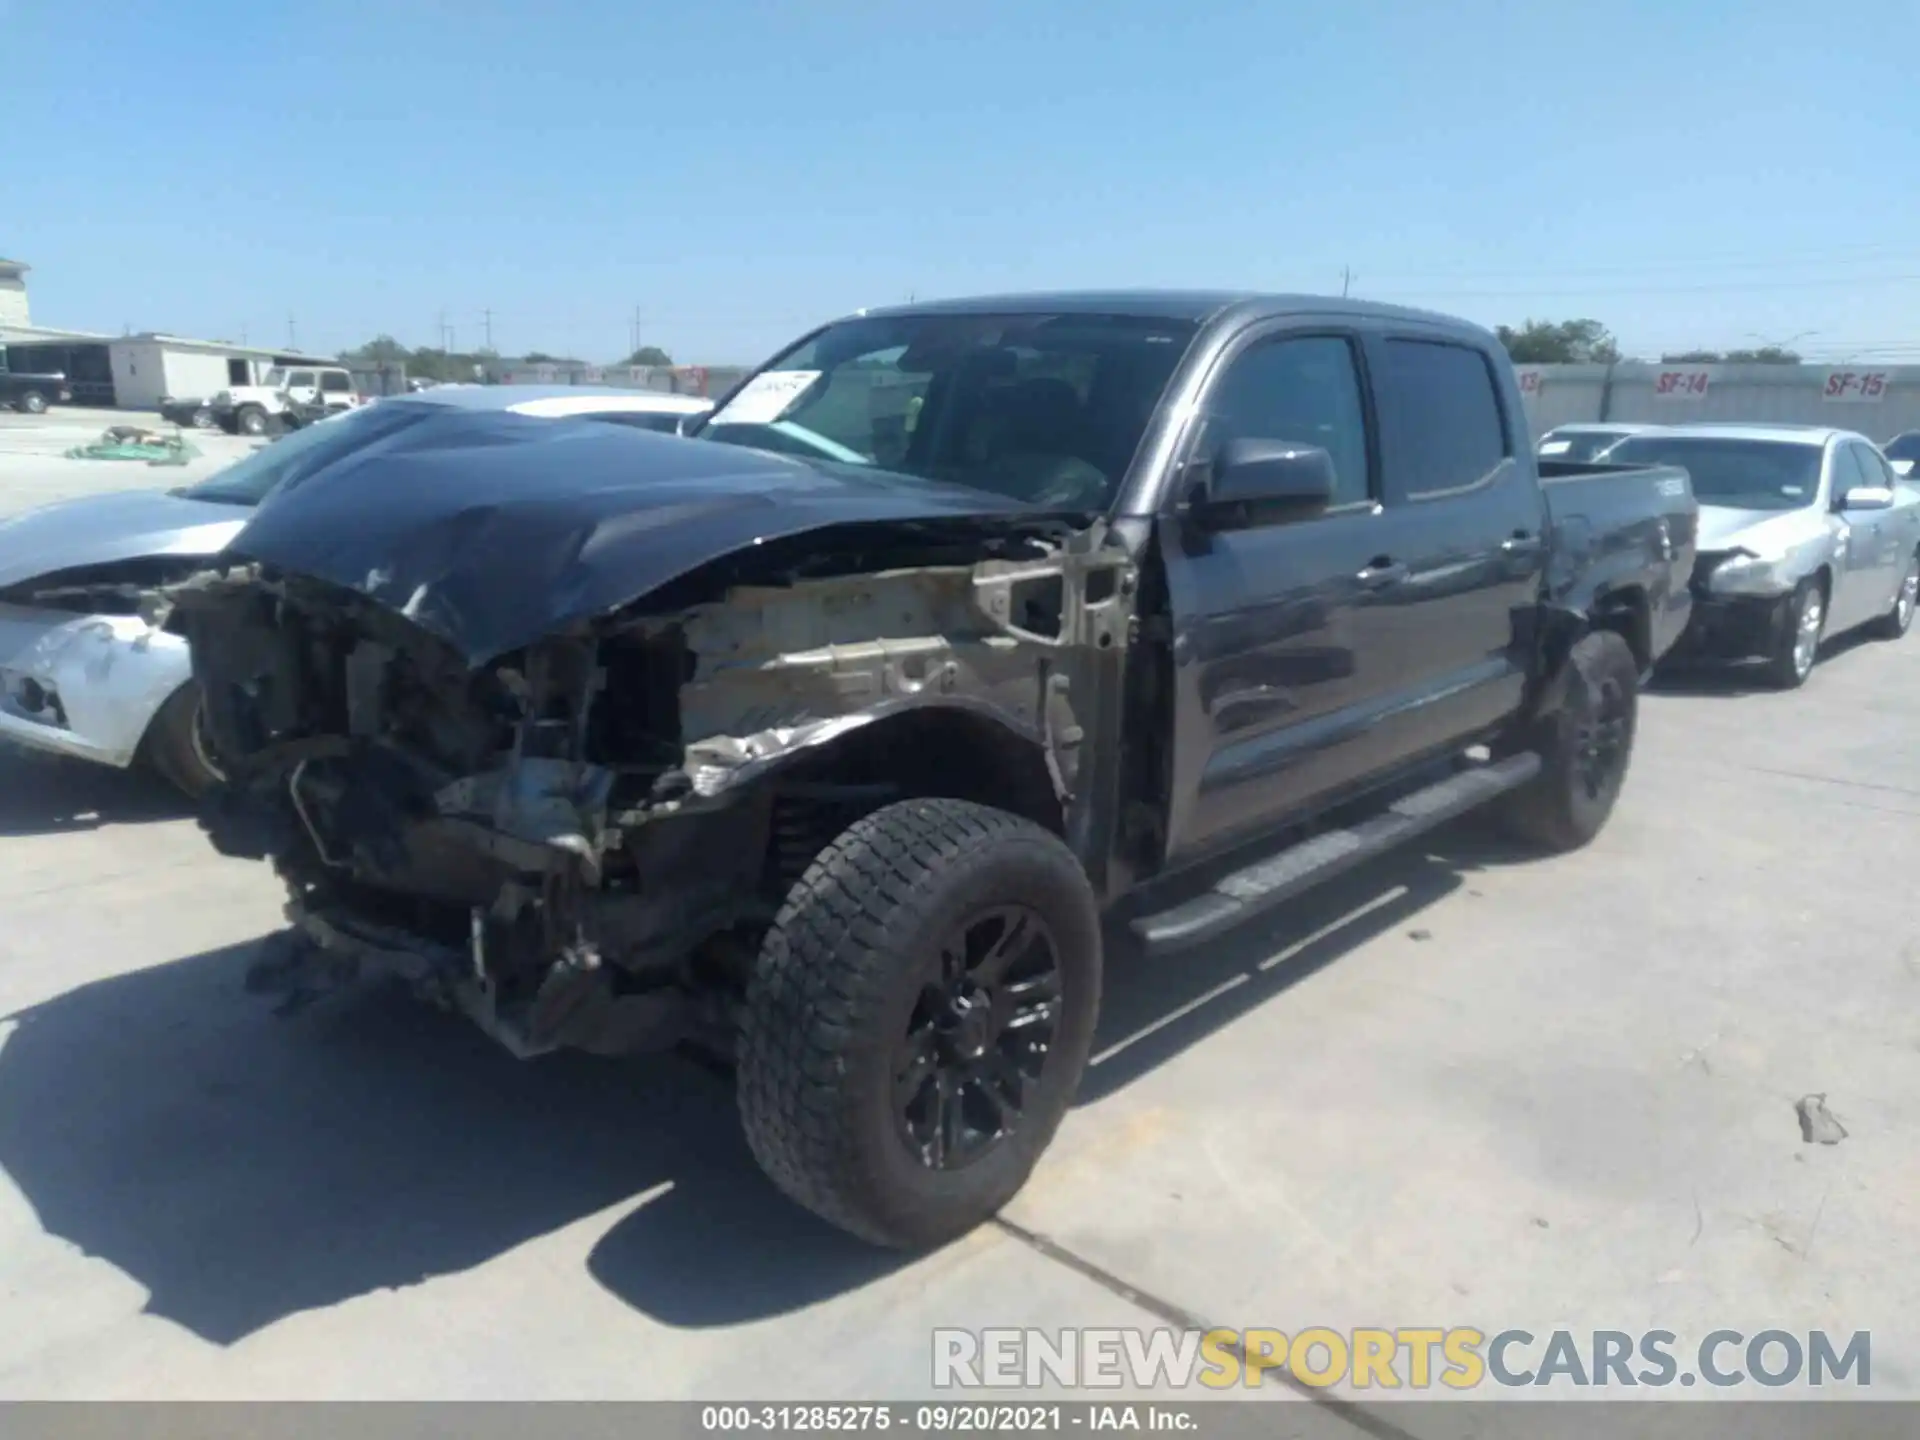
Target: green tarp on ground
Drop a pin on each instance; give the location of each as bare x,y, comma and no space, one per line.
121,445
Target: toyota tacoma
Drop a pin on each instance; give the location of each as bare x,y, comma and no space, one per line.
834,734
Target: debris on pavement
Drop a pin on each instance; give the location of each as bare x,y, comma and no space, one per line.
1817,1125
134,442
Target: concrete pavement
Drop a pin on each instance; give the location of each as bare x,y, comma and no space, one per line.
1460,1087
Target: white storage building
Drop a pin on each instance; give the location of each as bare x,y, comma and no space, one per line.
147,367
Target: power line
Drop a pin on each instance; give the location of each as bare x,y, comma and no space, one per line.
1825,260
1572,291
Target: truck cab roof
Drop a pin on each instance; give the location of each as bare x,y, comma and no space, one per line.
1195,306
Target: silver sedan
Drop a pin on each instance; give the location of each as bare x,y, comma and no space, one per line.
83,674
1805,532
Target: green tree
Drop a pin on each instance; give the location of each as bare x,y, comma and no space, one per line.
1764,355
382,349
648,355
1564,342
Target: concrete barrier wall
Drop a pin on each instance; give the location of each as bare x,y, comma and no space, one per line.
1880,401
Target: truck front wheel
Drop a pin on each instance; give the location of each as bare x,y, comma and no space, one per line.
250,420
33,403
1584,748
918,1019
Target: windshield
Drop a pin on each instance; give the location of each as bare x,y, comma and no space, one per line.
1903,447
1741,474
1576,445
248,481
1043,408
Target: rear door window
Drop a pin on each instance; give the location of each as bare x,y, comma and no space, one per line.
1441,424
335,383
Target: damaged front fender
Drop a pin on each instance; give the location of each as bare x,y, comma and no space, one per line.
579,823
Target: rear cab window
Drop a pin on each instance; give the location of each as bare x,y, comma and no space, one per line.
1442,425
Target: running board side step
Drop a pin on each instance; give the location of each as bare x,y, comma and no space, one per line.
1266,883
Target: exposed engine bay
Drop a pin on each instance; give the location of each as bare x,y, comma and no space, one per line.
579,842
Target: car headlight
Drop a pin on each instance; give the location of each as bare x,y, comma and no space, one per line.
1745,572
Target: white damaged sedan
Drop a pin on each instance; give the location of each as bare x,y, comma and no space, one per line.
1805,532
83,674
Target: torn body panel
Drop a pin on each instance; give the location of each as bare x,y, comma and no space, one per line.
575,843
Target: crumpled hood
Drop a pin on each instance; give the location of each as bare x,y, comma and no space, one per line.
98,529
1765,532
493,530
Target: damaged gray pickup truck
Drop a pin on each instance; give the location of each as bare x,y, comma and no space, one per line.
829,736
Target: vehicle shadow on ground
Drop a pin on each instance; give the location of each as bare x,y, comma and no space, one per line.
242,1167
1736,678
1155,1008
49,794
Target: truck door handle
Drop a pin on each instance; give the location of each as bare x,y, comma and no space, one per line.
1381,572
1520,543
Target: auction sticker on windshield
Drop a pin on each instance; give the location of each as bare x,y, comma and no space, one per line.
766,397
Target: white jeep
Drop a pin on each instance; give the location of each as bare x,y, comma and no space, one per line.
283,391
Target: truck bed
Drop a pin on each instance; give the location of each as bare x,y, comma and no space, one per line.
1617,529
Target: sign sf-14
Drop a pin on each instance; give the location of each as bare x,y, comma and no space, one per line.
1681,384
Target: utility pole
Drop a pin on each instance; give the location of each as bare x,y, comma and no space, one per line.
633,332
293,338
1346,281
487,320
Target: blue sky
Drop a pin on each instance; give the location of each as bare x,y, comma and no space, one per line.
1693,172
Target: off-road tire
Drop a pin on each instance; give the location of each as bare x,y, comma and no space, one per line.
1559,809
833,988
33,403
1783,670
250,420
1897,620
174,745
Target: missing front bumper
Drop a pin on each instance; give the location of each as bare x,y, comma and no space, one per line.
576,1007
1739,628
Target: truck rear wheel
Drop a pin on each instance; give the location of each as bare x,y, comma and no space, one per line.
918,1019
1584,748
250,420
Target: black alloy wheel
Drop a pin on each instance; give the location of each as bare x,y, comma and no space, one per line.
978,1038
